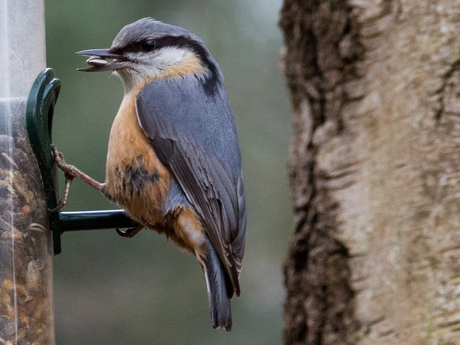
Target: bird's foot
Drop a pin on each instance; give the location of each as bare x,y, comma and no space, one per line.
131,232
71,172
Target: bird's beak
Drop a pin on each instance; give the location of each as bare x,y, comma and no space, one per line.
98,60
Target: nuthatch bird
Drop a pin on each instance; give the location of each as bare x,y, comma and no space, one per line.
173,159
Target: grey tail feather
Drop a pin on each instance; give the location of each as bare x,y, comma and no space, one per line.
218,284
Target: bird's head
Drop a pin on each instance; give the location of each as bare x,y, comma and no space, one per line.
147,50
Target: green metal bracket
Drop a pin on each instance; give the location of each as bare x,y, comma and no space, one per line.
39,117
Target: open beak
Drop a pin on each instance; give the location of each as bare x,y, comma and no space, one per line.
98,60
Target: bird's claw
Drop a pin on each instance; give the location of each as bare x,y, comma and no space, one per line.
130,232
60,205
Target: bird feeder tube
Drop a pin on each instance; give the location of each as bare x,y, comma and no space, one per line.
26,272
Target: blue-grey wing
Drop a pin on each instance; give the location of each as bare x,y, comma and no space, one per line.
194,135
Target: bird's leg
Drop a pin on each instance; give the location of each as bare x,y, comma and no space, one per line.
131,232
65,197
72,172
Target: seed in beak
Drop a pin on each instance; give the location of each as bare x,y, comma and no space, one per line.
96,61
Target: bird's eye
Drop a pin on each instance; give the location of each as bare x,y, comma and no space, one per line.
148,45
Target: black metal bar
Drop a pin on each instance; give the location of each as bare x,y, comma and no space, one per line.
95,220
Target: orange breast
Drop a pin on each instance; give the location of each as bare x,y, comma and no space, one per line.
138,182
135,178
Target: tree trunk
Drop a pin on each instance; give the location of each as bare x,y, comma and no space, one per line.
374,171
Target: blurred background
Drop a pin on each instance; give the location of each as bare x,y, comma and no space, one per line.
112,290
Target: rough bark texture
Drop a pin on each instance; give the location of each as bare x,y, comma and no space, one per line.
374,171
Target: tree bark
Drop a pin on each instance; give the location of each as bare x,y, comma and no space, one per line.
374,171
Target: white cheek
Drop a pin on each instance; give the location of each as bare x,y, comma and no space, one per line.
168,57
148,66
158,61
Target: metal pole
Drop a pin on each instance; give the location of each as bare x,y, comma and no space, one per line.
26,290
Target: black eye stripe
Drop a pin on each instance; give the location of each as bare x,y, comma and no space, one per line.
133,47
